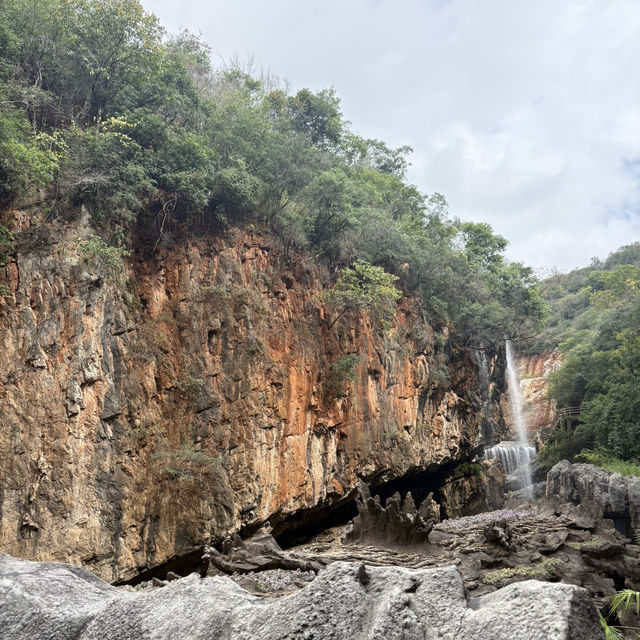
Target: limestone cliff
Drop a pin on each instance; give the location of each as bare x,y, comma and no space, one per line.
200,391
539,409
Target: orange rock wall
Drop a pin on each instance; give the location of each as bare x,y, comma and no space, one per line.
538,408
190,395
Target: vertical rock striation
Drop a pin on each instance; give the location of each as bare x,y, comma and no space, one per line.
198,393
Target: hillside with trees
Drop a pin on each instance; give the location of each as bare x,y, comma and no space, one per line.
595,323
100,108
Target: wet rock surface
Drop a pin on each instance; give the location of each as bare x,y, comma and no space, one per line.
539,408
346,600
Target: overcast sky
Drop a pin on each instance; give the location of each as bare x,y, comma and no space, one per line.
523,113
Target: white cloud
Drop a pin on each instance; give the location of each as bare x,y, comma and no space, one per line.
525,115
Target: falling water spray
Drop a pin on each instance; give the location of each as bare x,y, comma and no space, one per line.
518,417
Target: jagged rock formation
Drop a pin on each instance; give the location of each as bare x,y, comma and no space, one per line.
192,395
491,550
397,523
260,553
345,601
601,493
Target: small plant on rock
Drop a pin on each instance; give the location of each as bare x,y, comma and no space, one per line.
104,258
624,605
341,373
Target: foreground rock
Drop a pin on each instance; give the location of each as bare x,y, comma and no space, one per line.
347,600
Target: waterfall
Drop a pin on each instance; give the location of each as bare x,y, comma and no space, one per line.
515,456
524,470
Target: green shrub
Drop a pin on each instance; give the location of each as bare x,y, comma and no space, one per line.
184,462
540,571
7,245
608,461
104,258
341,373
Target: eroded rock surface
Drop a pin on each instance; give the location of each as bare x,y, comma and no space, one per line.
473,488
396,523
198,393
498,548
539,409
346,601
260,553
601,493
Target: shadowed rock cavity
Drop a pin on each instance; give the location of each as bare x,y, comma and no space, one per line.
452,490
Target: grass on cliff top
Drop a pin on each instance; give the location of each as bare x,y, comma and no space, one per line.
609,462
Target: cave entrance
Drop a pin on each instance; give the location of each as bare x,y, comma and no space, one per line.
622,524
183,565
304,525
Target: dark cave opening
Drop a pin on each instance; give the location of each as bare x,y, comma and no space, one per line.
419,482
622,524
304,524
182,565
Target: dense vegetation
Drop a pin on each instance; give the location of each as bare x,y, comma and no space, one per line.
595,320
99,107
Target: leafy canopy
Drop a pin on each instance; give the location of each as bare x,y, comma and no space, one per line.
365,287
101,108
601,353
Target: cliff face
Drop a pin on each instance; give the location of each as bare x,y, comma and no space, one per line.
199,392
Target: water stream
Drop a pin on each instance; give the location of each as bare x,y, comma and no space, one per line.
485,393
516,456
513,455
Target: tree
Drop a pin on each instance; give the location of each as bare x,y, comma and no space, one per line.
601,371
317,115
483,247
364,287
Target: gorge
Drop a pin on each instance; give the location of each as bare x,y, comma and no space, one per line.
254,383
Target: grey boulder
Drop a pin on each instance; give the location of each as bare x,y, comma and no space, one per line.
43,601
605,494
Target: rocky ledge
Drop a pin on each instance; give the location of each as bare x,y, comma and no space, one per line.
39,601
601,493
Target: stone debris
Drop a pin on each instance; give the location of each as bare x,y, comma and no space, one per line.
482,518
